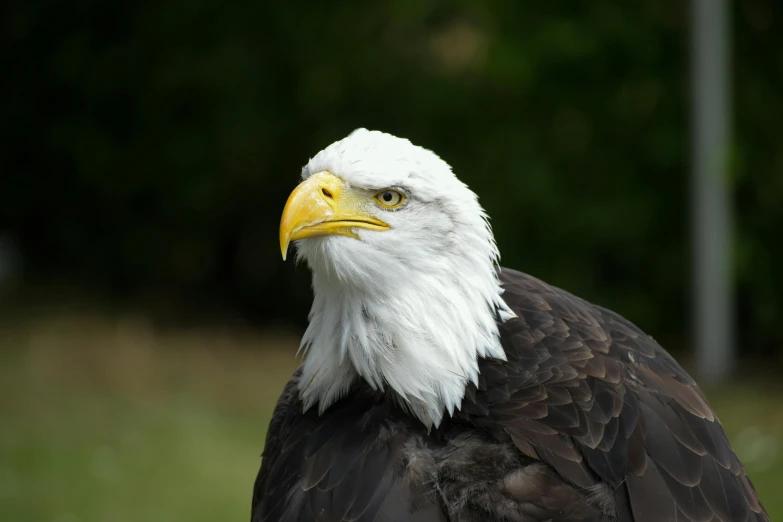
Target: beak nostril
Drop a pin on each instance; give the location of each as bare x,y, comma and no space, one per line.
326,193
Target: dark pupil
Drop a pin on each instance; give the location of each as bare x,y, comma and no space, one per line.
387,196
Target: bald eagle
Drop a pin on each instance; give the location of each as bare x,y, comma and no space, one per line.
437,386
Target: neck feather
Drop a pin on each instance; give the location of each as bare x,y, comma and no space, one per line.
420,338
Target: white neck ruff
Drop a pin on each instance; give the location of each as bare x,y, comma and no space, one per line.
420,335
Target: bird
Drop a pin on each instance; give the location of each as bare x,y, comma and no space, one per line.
437,386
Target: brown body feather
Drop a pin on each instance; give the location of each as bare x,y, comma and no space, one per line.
589,420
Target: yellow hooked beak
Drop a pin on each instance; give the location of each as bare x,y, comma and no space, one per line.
323,205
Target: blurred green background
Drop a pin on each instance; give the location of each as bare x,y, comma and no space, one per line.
147,322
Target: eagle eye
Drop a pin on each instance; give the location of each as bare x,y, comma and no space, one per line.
390,198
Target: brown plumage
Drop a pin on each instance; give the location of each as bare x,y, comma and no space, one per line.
589,419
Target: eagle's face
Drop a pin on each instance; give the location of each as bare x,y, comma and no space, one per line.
404,273
374,207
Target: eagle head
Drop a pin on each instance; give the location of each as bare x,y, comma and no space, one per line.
404,263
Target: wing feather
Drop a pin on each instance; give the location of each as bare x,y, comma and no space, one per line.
601,402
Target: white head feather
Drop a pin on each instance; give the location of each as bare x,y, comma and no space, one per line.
410,309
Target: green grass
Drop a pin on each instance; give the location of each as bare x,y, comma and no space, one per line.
112,422
109,420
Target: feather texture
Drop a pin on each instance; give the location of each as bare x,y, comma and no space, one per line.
588,420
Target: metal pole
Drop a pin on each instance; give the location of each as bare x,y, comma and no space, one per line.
713,314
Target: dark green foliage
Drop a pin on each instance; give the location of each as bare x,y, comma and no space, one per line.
150,147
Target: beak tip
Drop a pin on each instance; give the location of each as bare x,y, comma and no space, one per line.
285,239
